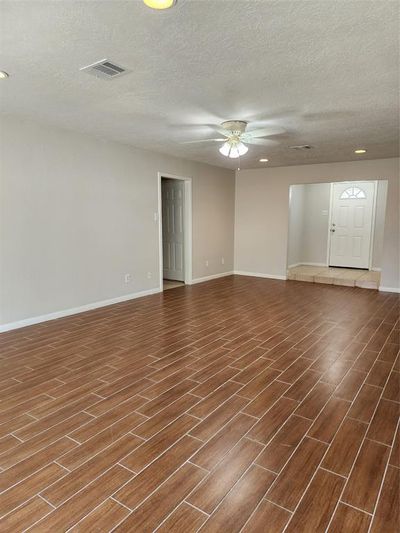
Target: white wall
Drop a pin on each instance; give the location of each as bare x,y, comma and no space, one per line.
296,218
262,213
316,222
77,213
379,231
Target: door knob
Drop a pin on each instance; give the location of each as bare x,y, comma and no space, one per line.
333,231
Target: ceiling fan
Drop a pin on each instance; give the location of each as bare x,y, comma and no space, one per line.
235,137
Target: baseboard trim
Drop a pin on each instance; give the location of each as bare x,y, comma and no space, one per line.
212,276
389,289
75,310
259,275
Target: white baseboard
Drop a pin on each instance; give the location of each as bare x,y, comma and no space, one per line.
389,289
212,276
376,269
294,265
259,275
75,310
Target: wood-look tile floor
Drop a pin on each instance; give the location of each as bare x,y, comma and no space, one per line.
241,404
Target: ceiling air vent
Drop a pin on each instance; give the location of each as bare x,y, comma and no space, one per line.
104,69
301,147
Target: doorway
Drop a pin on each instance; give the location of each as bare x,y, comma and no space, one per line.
336,232
351,224
175,233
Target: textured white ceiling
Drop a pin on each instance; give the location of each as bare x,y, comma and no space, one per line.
325,70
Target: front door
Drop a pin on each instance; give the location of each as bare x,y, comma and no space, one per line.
351,224
173,192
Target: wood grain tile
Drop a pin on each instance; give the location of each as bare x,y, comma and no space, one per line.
160,504
349,519
214,450
151,449
238,506
218,418
256,385
216,485
363,485
273,419
395,455
383,425
267,518
294,478
104,518
18,494
284,443
74,481
85,501
344,448
364,405
266,399
315,400
185,519
379,373
25,515
213,400
318,503
136,490
387,515
245,355
330,418
392,388
300,388
350,385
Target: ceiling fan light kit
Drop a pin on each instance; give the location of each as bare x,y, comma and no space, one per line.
236,137
159,4
233,149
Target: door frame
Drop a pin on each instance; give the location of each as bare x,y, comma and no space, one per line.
187,226
330,215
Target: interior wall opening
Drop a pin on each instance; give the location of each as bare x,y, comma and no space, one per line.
336,231
175,231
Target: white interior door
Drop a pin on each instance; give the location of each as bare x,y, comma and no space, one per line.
172,194
351,224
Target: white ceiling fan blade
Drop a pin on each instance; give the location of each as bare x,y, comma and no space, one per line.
202,141
265,132
260,142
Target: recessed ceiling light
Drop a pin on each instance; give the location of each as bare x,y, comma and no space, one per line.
3,75
159,4
263,160
360,151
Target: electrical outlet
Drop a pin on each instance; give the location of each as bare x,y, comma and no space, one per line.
149,275
207,263
127,278
222,260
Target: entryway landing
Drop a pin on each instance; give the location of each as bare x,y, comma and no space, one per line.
348,277
170,284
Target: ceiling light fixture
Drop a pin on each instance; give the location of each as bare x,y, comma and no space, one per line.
160,4
263,160
360,151
4,75
233,149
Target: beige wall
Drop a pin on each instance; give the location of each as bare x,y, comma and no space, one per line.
77,213
262,213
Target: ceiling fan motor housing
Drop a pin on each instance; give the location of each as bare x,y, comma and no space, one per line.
237,127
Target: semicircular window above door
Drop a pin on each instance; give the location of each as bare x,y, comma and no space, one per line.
353,193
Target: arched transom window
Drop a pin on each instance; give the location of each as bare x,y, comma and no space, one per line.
353,193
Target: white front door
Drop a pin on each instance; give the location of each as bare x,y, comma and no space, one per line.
351,224
173,192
